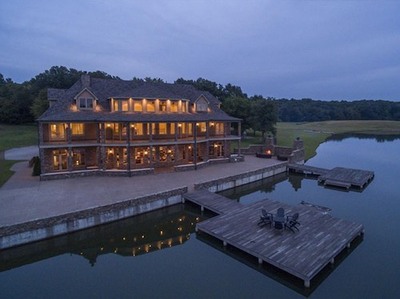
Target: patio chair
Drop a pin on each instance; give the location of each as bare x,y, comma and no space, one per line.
292,222
280,219
265,218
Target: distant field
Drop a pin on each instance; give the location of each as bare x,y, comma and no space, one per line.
315,133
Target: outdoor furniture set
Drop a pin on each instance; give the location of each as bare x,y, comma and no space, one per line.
279,221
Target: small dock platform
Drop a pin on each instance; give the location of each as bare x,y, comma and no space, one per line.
346,177
302,254
337,177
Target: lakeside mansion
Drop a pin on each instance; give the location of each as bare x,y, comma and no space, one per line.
118,127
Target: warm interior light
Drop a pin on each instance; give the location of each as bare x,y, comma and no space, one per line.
268,152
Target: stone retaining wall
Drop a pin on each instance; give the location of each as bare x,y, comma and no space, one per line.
241,179
58,225
95,172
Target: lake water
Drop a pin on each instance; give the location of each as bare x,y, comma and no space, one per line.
158,255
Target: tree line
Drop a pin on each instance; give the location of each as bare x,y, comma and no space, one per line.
25,102
308,110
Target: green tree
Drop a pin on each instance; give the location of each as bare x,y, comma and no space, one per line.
263,115
40,104
240,108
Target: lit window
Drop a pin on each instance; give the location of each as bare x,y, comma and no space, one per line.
172,128
219,128
121,105
85,103
163,106
137,106
57,131
174,107
78,157
60,160
150,107
77,129
137,129
162,128
184,106
202,126
125,106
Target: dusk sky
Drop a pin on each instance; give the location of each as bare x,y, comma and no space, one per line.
327,50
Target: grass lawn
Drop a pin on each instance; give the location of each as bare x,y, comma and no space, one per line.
11,137
17,136
314,133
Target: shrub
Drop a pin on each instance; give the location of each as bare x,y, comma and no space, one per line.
36,166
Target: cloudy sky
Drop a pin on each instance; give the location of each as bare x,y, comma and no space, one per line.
324,49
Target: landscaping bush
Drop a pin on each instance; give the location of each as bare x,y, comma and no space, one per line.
36,166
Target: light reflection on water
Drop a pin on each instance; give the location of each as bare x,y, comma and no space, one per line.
193,269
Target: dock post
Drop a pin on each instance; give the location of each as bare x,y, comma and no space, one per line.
225,244
307,283
202,208
260,261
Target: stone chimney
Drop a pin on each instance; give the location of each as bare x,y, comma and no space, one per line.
85,80
298,144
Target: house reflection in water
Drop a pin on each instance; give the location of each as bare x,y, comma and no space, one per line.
131,237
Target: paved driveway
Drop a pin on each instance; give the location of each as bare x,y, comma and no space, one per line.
21,153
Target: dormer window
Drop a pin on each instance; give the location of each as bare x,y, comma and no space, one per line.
85,103
151,106
85,100
121,105
201,104
174,107
163,106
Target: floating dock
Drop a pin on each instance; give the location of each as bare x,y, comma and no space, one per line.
337,177
303,254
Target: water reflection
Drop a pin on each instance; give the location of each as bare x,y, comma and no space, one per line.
277,274
378,138
266,185
130,237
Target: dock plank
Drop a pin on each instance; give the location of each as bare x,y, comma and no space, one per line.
303,254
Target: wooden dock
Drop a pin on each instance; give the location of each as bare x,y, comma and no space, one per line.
337,177
346,177
302,254
212,201
306,169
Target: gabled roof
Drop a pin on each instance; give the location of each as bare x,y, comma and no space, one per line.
85,90
105,89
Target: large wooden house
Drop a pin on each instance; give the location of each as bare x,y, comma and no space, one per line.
117,127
